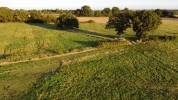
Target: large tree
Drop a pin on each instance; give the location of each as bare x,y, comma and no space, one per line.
121,22
106,12
115,11
86,11
144,22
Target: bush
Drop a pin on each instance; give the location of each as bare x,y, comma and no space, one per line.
67,21
36,17
6,15
20,16
49,19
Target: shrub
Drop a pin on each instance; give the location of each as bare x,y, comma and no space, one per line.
36,17
20,16
67,21
6,15
144,22
49,19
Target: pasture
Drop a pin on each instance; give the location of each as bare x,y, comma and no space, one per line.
147,70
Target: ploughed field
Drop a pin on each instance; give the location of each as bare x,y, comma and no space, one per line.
146,70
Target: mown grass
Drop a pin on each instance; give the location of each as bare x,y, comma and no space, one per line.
144,71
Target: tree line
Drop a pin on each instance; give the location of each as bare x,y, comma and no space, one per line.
141,22
47,16
33,16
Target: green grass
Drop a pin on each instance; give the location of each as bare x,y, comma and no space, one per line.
144,71
24,41
141,71
167,27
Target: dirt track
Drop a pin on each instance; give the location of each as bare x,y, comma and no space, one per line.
50,57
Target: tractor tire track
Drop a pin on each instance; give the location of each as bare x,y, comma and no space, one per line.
49,57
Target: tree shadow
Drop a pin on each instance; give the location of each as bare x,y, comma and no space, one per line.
45,25
87,43
3,56
168,37
81,31
97,34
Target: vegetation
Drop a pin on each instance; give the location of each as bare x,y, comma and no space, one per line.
145,70
6,14
106,11
141,21
144,22
36,17
67,21
121,23
166,13
115,11
86,11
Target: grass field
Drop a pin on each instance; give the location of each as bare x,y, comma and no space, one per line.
145,71
141,71
24,41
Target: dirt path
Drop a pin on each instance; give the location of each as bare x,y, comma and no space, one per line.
50,57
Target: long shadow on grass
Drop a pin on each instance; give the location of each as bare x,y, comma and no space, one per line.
97,34
86,32
87,43
47,26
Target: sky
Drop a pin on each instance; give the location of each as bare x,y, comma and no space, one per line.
95,4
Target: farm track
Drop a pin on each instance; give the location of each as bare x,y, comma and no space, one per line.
50,57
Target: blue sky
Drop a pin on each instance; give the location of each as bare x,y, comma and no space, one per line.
96,4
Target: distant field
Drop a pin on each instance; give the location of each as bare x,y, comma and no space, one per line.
102,20
144,69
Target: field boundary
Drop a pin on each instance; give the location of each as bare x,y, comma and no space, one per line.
49,57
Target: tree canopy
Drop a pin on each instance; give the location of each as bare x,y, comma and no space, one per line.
86,11
142,22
